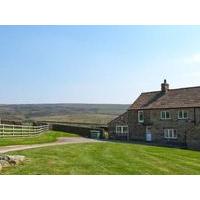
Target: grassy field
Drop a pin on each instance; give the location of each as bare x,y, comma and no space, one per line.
50,136
108,158
79,118
79,113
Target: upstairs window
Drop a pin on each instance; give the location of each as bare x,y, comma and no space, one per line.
182,114
165,115
141,116
170,134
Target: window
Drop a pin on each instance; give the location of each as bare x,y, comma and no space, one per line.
118,129
182,114
125,129
121,129
140,116
170,134
165,115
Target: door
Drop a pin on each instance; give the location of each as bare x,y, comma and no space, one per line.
148,134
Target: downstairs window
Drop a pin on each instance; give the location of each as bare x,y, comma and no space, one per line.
170,134
121,129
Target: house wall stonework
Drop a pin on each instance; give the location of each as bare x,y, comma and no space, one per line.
137,131
122,120
188,130
184,132
193,138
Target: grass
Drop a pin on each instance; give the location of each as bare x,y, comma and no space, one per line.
109,159
50,136
79,118
79,113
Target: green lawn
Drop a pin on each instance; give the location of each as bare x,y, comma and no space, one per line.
50,136
107,158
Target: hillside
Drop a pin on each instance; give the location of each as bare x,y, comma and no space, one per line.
80,113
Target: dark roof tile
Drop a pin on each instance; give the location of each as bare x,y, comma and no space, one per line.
175,98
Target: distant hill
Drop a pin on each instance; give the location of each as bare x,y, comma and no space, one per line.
80,113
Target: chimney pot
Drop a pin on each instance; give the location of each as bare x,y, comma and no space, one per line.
165,87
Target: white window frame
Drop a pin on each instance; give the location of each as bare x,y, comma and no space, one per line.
118,132
165,114
140,112
170,133
182,113
122,129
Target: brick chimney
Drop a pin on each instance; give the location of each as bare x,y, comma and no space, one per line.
165,87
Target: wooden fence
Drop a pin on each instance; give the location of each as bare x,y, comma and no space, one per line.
21,131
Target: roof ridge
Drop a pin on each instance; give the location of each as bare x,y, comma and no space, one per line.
150,92
189,97
119,116
184,88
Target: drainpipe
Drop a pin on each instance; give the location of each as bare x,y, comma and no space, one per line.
195,117
128,134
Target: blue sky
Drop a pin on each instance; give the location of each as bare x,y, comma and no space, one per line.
95,64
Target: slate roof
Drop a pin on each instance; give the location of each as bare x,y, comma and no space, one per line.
174,98
123,118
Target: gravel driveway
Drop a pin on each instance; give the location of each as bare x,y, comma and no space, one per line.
60,141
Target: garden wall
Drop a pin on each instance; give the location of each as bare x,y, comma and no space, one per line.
83,131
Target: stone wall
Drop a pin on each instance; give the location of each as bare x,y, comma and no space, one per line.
137,131
82,131
188,130
193,138
122,120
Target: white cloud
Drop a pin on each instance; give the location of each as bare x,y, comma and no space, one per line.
194,59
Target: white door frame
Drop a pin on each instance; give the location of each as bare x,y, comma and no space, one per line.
148,134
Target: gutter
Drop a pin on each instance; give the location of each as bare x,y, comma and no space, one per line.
167,108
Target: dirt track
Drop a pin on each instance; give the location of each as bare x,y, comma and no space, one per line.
60,141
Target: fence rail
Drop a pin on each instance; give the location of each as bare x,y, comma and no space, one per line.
21,131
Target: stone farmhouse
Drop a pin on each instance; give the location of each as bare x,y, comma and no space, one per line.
166,117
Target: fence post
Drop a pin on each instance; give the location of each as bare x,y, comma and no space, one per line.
3,129
16,130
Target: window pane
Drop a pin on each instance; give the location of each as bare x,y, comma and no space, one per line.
162,115
185,114
125,129
118,129
140,116
167,115
175,134
180,115
166,135
170,133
